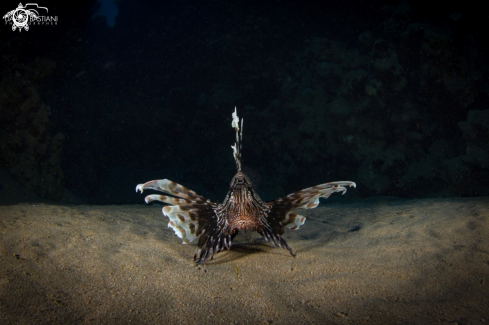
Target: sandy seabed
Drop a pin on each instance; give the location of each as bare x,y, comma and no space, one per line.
393,262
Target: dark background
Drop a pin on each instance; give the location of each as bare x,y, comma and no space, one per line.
391,95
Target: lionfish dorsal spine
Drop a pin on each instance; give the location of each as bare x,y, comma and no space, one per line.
239,139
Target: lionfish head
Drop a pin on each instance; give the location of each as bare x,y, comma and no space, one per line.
240,180
241,189
241,203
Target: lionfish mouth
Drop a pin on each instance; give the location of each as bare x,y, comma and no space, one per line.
244,222
192,215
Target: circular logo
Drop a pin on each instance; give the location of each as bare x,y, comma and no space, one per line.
20,17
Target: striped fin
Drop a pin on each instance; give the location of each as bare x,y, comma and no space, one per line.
212,242
186,223
173,200
185,215
172,188
293,220
189,212
280,214
191,216
309,198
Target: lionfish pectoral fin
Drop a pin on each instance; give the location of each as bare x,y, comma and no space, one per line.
169,187
281,212
293,220
190,215
308,198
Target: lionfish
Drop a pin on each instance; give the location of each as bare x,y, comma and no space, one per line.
192,215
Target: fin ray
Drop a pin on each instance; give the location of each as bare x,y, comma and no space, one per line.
169,187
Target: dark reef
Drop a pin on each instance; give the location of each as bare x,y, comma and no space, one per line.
392,95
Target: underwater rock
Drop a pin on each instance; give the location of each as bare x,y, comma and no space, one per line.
476,128
29,151
366,39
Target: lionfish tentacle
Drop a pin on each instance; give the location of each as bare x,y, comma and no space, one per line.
192,215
